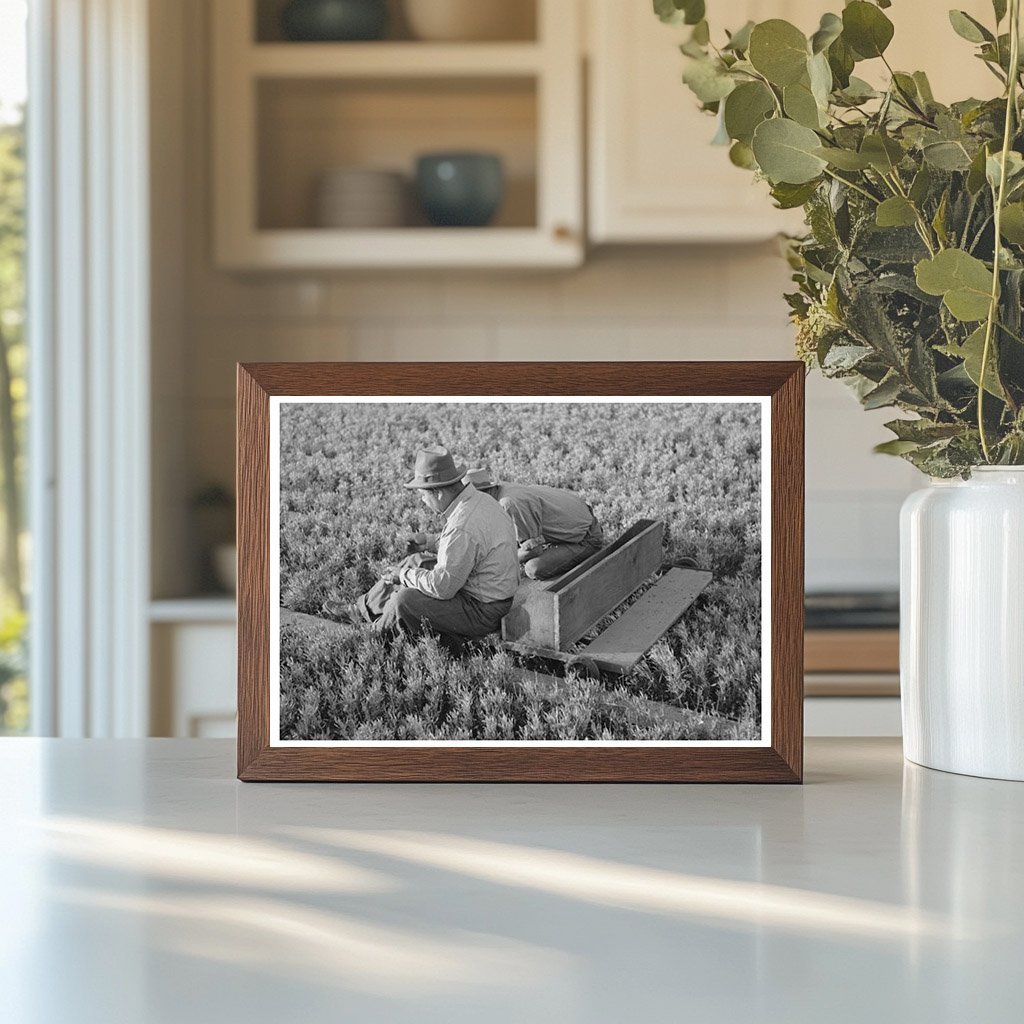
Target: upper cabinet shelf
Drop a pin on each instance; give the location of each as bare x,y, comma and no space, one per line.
316,144
394,59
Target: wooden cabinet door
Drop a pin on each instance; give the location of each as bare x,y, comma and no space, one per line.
653,174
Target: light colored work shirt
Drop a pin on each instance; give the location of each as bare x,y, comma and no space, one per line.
546,515
476,553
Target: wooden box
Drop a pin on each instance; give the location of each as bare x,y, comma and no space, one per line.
554,614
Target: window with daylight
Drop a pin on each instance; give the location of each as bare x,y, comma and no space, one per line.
14,547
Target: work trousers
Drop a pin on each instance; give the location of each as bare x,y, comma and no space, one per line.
391,607
555,559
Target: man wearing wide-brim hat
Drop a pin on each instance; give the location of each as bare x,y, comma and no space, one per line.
463,591
555,528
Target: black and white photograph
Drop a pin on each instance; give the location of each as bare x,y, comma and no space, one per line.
539,571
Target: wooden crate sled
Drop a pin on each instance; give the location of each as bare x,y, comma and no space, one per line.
549,616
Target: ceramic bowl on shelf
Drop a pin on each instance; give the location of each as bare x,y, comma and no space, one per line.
470,20
361,198
334,20
460,189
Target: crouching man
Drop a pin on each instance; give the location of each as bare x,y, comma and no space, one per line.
463,591
555,528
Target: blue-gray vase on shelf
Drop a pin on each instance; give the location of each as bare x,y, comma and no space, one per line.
331,21
460,189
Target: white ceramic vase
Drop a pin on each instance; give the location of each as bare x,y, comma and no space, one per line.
962,624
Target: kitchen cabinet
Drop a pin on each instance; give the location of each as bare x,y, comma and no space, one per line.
284,113
653,175
193,673
852,682
287,113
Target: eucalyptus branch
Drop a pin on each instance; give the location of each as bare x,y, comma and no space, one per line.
771,89
908,100
1012,334
995,71
977,238
860,110
895,289
923,235
969,217
853,185
923,228
993,308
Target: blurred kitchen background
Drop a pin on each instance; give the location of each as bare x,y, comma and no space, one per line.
266,185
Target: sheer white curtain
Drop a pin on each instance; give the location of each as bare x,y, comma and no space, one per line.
88,317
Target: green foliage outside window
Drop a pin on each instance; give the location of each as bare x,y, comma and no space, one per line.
13,412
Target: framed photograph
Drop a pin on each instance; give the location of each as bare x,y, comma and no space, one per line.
518,572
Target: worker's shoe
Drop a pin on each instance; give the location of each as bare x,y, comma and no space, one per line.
337,611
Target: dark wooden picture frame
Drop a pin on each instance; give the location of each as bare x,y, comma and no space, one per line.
780,760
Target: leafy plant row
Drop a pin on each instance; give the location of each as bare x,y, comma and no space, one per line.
344,513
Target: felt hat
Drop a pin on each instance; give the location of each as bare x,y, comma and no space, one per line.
435,467
481,476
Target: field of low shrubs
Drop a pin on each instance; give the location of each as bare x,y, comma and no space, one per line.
344,514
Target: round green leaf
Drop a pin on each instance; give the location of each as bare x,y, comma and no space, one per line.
1011,225
968,28
858,91
820,75
844,159
866,29
961,279
801,106
951,268
829,30
784,151
923,181
674,12
742,156
788,197
746,107
924,88
779,51
976,175
882,152
740,39
895,212
895,447
667,11
694,11
841,62
971,352
707,80
994,168
947,156
967,304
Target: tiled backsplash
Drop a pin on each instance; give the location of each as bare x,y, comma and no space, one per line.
702,303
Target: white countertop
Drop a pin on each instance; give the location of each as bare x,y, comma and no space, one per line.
143,884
